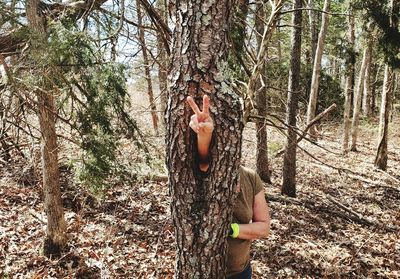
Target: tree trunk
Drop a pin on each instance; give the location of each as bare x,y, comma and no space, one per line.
357,102
56,227
375,74
162,59
289,158
278,41
349,84
201,206
366,104
313,29
382,152
261,100
150,93
312,104
334,71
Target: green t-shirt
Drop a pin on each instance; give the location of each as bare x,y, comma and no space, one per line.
239,249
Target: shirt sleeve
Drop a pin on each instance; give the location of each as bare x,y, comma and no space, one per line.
258,184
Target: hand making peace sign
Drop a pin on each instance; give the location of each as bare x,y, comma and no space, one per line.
201,121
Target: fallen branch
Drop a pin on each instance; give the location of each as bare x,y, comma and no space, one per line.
372,182
345,208
312,122
351,174
310,204
390,176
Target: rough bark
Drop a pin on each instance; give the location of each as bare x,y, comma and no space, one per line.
289,159
56,227
201,206
162,59
261,100
357,102
366,104
382,152
349,85
312,104
150,93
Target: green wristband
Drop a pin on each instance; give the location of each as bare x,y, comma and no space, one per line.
235,229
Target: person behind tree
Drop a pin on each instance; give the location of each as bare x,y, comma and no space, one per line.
251,214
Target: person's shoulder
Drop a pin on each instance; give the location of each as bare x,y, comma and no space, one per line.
253,179
247,171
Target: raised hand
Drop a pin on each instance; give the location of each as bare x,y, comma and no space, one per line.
201,121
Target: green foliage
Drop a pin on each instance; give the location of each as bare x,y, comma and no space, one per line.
274,147
98,90
386,19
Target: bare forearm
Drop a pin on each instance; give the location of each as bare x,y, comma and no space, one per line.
253,230
203,145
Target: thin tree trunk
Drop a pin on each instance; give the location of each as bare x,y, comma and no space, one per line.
150,93
278,42
199,57
349,85
289,158
366,104
56,227
382,152
357,102
4,109
375,73
261,100
313,29
162,59
312,104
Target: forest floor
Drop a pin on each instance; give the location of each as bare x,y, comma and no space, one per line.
343,224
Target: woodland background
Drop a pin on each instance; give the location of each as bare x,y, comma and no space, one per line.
89,79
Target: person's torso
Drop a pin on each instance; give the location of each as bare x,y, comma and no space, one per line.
239,249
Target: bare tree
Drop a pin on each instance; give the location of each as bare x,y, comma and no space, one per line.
199,56
261,100
146,62
349,84
366,102
312,104
258,67
357,101
312,15
387,92
162,58
289,159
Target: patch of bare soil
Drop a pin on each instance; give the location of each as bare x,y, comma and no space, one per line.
343,224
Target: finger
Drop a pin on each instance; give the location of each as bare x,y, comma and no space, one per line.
206,104
193,105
